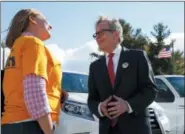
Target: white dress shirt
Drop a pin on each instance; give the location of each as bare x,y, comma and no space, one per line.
115,59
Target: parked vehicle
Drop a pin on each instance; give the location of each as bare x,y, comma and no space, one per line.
77,119
171,98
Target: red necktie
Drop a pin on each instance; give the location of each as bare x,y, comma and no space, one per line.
112,78
111,69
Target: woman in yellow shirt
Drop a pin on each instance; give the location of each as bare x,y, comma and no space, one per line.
32,78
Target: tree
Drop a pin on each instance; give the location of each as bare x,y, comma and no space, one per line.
178,57
133,38
160,33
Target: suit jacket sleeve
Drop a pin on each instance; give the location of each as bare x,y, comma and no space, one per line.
146,85
93,97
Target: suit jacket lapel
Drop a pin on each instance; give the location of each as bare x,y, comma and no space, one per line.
119,72
104,73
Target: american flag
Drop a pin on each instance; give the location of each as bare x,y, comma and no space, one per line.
165,53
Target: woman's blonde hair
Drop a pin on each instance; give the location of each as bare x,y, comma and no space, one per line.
19,24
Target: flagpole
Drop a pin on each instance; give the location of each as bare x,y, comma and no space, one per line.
173,62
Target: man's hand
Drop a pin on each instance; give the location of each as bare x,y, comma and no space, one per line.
103,107
118,107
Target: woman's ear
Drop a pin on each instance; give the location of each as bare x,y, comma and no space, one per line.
32,20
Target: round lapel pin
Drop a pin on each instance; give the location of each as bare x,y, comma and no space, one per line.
125,65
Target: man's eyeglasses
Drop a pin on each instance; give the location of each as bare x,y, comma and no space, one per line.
95,35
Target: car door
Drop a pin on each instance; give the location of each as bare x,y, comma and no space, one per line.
166,98
177,84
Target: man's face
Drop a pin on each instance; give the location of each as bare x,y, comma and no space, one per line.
105,37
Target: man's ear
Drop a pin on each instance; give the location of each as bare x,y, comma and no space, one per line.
32,20
116,34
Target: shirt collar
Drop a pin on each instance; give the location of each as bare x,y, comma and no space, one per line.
116,51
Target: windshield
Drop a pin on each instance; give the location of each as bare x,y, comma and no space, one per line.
72,82
178,84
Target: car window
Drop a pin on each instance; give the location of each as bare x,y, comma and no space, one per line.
178,84
164,93
73,82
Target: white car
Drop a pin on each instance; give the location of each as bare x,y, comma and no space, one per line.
76,118
171,98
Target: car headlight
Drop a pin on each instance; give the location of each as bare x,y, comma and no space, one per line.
78,109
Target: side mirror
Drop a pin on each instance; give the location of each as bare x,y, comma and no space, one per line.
164,95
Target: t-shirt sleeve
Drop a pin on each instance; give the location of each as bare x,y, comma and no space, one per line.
34,60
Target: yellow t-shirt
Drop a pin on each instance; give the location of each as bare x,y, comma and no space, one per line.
29,55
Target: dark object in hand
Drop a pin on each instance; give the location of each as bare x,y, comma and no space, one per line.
64,96
62,99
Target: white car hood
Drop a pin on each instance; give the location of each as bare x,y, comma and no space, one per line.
78,97
82,97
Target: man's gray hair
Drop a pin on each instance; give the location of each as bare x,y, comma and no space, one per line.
113,23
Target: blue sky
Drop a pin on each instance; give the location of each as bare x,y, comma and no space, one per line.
73,22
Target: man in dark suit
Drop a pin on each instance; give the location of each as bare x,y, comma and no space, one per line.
121,83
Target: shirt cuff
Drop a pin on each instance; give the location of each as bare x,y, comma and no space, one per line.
129,108
99,110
